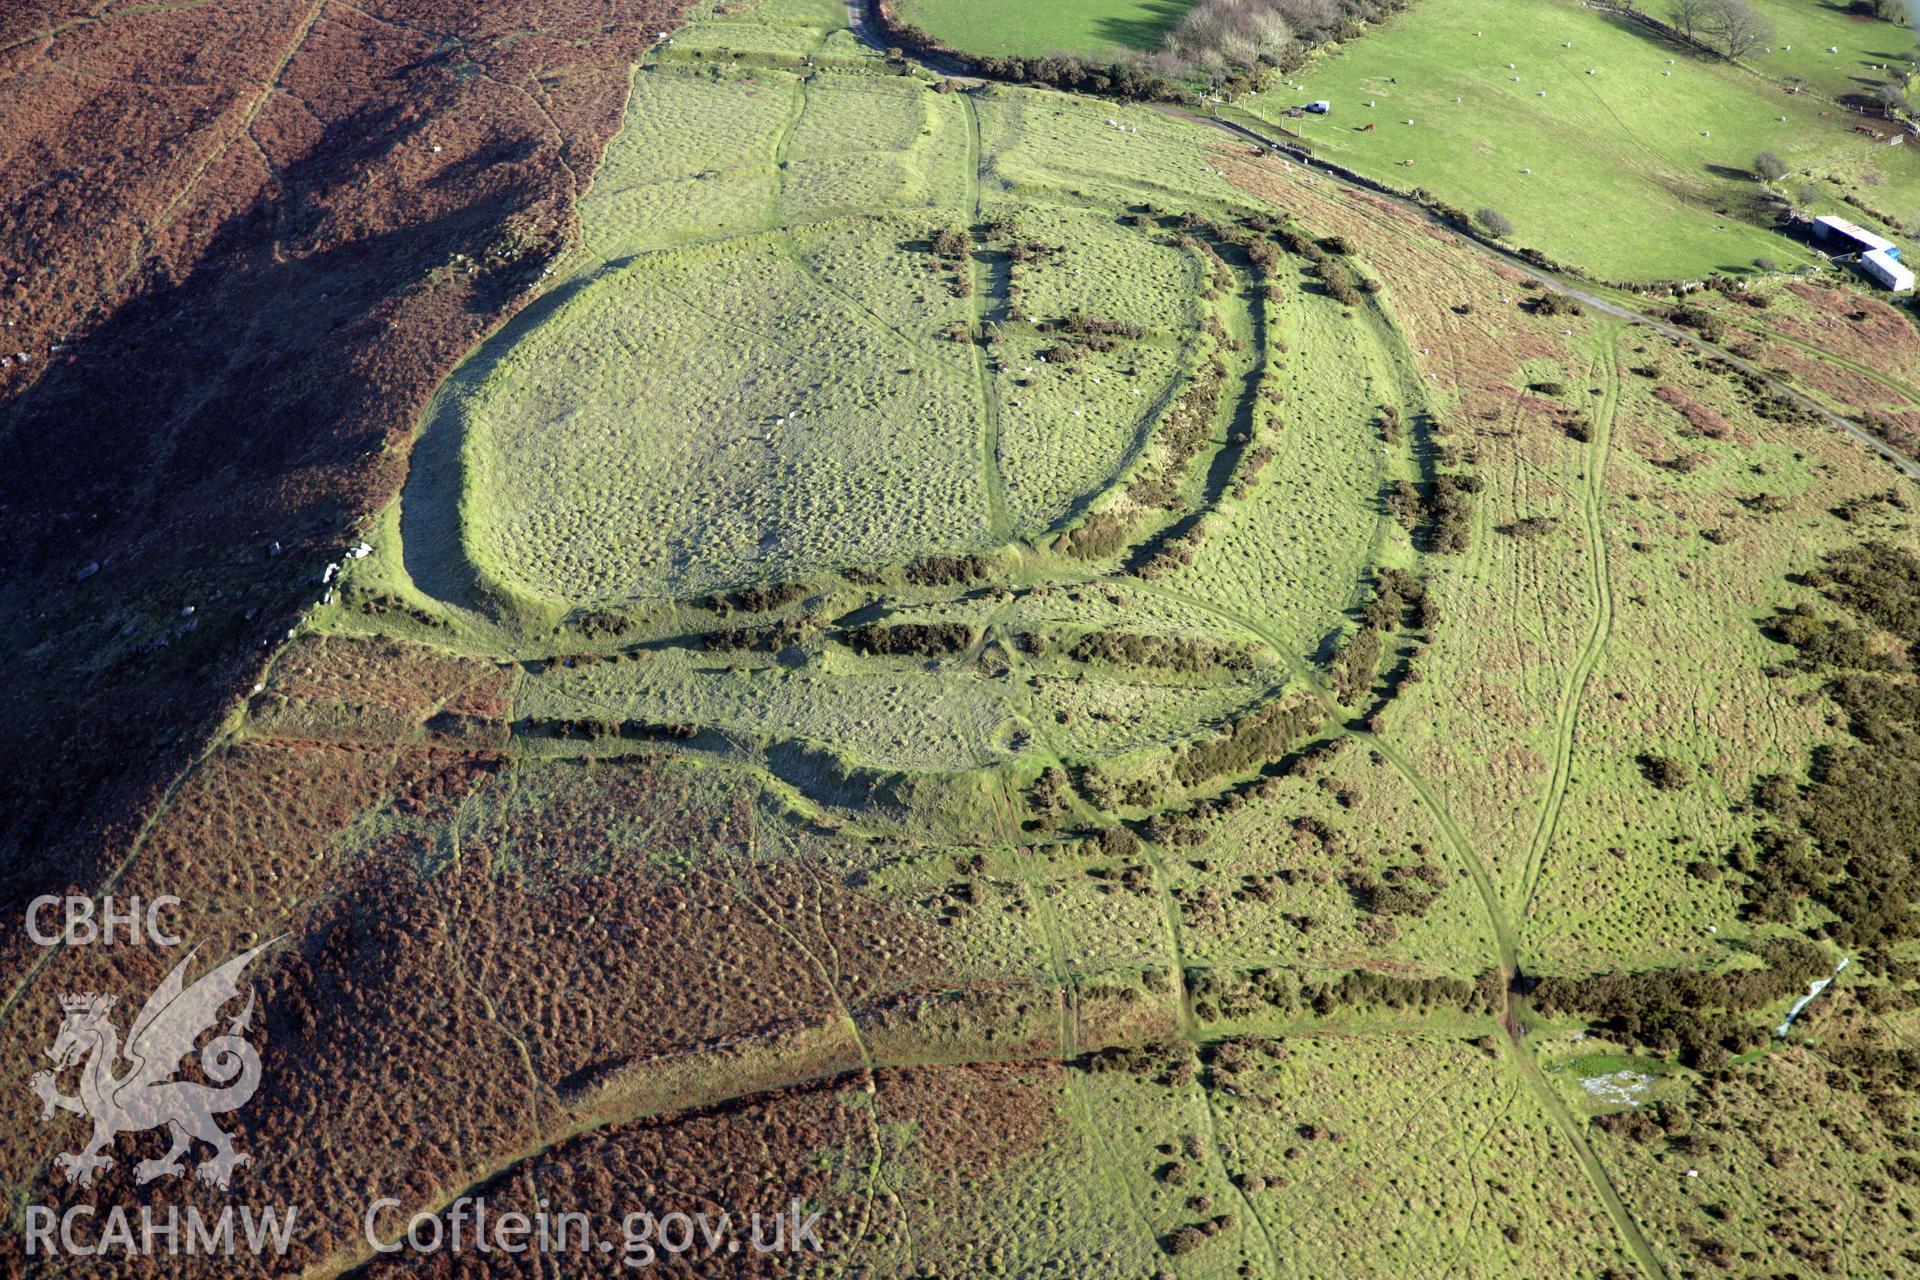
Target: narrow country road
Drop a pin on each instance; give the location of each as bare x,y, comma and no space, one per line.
1906,464
861,21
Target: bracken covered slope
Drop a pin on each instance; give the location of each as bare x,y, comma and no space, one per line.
240,243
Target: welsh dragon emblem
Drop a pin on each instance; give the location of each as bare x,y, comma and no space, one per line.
147,1096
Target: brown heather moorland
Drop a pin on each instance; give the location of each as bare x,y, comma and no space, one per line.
240,244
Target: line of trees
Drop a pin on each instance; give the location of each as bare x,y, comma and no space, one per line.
1236,43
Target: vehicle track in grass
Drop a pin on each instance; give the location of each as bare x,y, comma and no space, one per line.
1906,390
784,230
1506,935
1600,602
999,517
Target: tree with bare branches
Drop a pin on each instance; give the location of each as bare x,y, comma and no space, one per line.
1691,17
1740,27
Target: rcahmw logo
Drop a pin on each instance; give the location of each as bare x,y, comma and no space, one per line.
126,1084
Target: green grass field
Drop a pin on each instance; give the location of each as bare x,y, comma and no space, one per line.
1604,146
1085,27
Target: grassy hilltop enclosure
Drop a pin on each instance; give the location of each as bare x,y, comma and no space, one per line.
1087,699
1605,144
877,334
800,293
1217,630
1088,28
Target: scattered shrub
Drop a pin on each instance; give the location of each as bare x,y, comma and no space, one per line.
1664,772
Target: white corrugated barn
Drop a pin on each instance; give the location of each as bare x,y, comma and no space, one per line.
1827,229
1887,270
1876,256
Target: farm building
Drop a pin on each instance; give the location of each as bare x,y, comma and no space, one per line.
1887,269
1845,237
1878,258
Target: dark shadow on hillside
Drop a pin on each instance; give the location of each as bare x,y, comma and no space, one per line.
432,541
145,477
1658,33
1228,455
1895,13
1144,34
